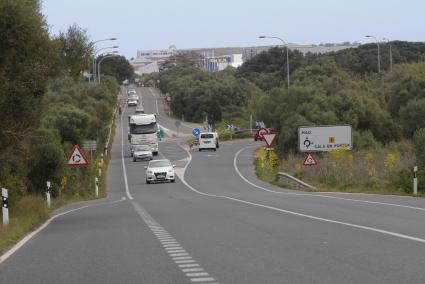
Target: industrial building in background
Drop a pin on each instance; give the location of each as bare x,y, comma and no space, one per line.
219,58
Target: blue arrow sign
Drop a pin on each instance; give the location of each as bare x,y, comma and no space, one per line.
196,132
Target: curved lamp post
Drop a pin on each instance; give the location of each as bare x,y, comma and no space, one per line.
92,45
95,55
287,54
379,55
391,54
108,55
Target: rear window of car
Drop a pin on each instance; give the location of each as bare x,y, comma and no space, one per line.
207,136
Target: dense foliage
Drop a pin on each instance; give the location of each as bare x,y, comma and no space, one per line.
46,106
116,66
196,94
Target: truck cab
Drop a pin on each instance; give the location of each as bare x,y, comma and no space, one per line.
142,130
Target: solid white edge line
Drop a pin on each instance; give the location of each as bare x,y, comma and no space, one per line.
127,190
366,228
28,237
313,195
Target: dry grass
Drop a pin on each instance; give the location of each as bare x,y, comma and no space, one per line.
367,171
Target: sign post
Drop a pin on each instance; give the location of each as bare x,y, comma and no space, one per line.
177,123
77,159
5,206
415,181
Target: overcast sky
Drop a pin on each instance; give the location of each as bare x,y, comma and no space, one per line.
157,24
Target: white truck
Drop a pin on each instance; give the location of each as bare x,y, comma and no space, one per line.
142,130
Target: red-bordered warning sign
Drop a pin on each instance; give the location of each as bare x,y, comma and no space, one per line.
309,160
261,132
77,158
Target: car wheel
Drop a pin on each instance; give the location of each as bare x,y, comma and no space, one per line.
151,158
255,139
200,150
155,153
173,180
134,160
148,182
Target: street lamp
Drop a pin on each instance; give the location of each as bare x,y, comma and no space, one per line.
92,45
379,56
108,55
287,54
94,57
391,54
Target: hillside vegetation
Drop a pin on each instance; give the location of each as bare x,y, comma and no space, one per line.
386,109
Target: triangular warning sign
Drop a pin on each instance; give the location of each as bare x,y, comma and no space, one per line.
269,138
309,160
77,158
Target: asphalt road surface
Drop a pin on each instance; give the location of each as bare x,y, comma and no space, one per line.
219,224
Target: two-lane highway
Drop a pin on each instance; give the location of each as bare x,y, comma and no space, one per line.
218,224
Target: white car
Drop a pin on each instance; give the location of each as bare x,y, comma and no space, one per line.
132,102
160,170
131,91
208,140
134,97
141,152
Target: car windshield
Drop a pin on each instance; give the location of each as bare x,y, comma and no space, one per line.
144,129
159,164
207,135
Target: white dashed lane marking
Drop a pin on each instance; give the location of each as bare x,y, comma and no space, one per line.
177,253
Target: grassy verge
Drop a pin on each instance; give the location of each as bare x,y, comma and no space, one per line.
30,211
267,173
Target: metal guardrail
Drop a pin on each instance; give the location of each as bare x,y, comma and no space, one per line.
293,181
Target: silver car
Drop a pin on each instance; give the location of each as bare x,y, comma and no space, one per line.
142,152
160,170
132,102
139,109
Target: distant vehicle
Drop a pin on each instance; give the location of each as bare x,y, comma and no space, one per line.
142,130
132,102
131,91
208,140
125,82
160,170
142,152
140,109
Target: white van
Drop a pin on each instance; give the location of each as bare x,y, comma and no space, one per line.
208,140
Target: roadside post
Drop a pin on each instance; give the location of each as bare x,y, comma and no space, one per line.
5,206
100,169
415,180
96,186
49,186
